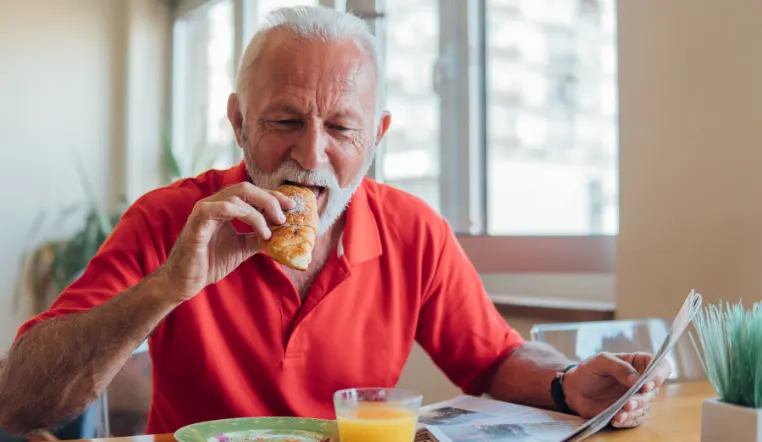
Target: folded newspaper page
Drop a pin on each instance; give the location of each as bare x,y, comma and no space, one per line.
473,419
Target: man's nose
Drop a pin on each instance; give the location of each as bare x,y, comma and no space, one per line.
310,149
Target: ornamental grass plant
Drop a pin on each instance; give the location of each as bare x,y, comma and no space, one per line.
729,346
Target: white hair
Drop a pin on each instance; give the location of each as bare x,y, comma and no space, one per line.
310,22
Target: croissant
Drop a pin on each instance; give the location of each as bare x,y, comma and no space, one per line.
292,242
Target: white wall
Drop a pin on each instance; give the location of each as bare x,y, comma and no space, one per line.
149,73
691,153
56,93
63,89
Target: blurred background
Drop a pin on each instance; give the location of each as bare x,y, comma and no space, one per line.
598,159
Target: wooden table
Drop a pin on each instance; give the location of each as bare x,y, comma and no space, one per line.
676,416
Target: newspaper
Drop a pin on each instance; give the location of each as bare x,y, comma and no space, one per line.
473,419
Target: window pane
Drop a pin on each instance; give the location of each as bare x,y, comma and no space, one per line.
265,6
204,76
410,158
551,117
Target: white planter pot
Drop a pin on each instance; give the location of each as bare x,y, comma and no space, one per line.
722,422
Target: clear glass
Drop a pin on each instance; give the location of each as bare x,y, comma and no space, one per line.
204,77
410,159
552,131
377,414
582,340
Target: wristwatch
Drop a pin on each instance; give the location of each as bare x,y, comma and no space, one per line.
557,390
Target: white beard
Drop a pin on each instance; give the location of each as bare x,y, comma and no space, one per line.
337,198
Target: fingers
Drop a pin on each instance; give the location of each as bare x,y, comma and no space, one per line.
639,401
660,374
272,203
629,419
229,209
636,411
640,362
606,364
252,217
285,202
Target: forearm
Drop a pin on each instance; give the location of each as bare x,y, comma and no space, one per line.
60,366
524,377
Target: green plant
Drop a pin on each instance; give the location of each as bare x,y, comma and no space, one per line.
731,351
47,268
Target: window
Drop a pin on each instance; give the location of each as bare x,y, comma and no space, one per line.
204,72
551,127
410,158
504,119
504,116
265,6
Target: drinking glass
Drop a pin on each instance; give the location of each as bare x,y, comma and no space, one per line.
377,414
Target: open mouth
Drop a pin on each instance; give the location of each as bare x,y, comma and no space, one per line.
317,190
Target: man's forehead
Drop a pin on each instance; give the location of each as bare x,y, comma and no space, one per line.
289,61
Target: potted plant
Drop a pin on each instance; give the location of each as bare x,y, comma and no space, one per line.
730,350
47,267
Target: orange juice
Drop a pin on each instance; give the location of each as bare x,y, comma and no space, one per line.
377,423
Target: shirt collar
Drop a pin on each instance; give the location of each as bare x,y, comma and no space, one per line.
361,239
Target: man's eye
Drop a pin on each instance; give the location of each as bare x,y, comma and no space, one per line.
288,124
339,128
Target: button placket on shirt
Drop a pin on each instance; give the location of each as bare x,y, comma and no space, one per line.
333,274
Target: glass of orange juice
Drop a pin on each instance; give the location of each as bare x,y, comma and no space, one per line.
376,414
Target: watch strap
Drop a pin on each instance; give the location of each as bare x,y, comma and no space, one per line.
557,390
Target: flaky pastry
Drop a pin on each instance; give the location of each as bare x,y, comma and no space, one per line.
292,242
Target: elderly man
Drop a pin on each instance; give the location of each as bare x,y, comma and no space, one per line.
231,332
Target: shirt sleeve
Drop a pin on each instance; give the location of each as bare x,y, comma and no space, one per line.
459,326
118,265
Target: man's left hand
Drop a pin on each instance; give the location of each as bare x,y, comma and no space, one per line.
601,380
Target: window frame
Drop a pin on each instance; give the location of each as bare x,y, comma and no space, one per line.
180,118
460,82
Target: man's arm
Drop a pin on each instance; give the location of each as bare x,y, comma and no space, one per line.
589,388
525,375
470,341
60,366
458,324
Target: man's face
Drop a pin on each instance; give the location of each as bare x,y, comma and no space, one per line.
310,119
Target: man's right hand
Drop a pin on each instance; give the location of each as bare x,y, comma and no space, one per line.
209,247
99,341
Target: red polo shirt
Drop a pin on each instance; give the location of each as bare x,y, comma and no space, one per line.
247,346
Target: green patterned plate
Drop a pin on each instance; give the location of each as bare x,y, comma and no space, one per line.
284,429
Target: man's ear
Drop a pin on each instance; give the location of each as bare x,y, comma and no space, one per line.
383,126
235,116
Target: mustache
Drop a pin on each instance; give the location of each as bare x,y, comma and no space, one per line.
293,171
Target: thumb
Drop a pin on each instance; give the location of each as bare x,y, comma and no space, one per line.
253,244
620,370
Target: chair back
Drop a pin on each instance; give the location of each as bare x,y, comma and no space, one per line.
580,340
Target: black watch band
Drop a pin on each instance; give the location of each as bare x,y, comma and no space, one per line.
557,391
